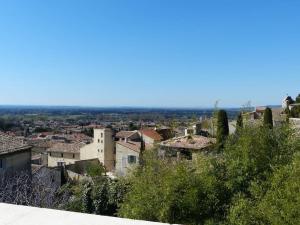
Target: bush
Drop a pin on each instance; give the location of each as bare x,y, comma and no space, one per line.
173,192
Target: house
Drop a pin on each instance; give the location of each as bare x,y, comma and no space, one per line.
15,155
166,133
128,147
102,148
186,146
64,154
124,135
127,156
257,115
150,137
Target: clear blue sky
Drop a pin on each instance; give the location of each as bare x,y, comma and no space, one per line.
175,53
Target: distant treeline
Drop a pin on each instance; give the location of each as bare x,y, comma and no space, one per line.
107,113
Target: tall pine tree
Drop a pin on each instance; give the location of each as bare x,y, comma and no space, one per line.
268,118
222,128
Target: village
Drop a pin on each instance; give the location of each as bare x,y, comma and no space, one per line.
117,152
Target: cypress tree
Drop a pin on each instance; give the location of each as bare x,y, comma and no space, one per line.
239,122
298,99
268,118
87,202
222,128
142,150
101,199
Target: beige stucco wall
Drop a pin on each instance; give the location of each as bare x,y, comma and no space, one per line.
16,162
102,148
122,165
148,140
67,158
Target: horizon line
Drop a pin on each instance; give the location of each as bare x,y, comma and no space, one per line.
127,107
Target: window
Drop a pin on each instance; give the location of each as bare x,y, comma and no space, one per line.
50,153
131,159
62,155
61,164
73,156
98,140
1,163
102,141
102,135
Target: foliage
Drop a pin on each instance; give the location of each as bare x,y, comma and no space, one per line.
89,132
87,202
142,151
95,170
239,122
278,204
298,99
255,153
103,197
222,128
42,129
268,118
132,127
295,112
173,192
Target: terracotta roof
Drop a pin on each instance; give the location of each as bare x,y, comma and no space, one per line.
125,134
66,147
195,143
135,146
152,134
10,144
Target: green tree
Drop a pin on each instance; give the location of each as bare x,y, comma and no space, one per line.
239,122
276,202
268,118
142,150
281,204
295,112
95,170
222,128
101,198
298,99
87,202
178,192
255,153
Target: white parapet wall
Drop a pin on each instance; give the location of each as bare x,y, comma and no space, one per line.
23,215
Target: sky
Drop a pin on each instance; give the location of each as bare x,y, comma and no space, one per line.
150,53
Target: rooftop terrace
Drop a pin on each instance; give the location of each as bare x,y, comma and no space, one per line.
23,215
